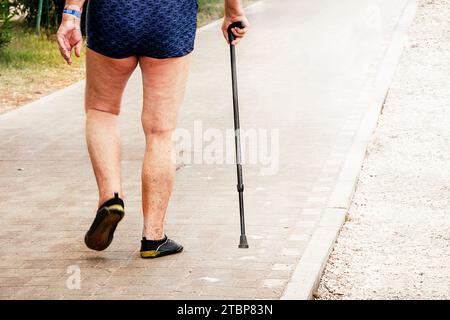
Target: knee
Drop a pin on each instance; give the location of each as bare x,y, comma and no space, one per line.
114,110
155,126
95,100
158,131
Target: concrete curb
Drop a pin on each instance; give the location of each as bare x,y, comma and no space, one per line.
306,276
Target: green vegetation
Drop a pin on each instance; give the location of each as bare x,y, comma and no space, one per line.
31,66
209,10
6,14
28,49
28,9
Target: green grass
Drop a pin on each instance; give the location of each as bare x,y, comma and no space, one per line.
31,67
209,10
26,49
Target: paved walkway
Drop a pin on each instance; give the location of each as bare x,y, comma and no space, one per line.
302,70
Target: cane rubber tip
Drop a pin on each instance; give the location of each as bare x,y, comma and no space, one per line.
243,242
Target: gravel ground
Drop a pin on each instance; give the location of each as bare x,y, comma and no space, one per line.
396,241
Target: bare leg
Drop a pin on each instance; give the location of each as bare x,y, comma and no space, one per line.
105,81
164,86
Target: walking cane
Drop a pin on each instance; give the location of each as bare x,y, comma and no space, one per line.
237,138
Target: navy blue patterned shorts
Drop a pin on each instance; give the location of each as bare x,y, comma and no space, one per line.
153,28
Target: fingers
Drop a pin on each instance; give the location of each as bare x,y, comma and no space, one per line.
69,50
238,34
78,46
64,48
68,41
225,34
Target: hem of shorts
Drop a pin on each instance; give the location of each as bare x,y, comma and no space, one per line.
108,55
184,53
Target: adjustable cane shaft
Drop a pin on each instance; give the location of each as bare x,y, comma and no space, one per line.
240,181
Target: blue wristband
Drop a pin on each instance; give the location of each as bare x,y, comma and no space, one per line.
73,12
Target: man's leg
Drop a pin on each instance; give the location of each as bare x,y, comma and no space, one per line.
164,85
105,81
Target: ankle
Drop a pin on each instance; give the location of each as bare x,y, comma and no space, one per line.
108,200
152,233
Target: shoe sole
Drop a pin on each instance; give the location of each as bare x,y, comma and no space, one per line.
102,237
152,254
